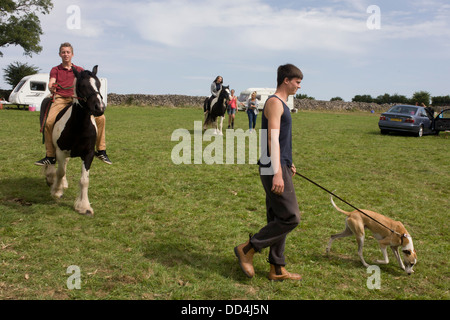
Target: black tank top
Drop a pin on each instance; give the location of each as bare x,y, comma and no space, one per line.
285,138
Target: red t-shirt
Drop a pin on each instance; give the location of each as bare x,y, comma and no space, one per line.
64,79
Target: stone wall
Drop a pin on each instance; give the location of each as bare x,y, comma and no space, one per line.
197,102
307,104
167,100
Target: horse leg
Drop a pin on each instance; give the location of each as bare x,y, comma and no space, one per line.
50,174
215,126
221,126
205,125
82,204
64,179
58,185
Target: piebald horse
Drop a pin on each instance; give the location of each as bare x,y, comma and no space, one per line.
216,107
74,135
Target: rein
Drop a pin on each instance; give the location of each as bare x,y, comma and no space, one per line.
328,191
87,97
74,97
49,105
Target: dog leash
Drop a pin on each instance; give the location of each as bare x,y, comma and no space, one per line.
318,185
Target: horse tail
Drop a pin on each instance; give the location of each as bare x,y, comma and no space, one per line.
208,118
45,108
205,105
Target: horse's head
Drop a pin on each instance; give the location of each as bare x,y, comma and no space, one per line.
88,91
226,94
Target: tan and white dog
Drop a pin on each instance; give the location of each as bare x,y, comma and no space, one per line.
399,237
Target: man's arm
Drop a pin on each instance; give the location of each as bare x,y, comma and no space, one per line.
273,112
51,84
52,81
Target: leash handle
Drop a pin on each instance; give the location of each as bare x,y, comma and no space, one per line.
318,185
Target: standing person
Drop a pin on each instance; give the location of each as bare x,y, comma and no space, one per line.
232,109
252,111
276,171
61,85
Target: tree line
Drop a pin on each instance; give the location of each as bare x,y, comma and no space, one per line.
419,97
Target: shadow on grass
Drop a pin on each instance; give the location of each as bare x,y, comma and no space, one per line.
353,262
25,192
204,261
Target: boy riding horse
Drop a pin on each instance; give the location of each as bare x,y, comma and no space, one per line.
61,86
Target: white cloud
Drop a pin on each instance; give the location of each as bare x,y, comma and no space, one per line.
210,27
251,24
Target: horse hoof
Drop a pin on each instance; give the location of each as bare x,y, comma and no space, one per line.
89,213
85,211
57,196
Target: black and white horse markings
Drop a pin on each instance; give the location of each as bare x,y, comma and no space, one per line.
74,135
216,108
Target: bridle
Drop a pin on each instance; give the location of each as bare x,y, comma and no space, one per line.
85,99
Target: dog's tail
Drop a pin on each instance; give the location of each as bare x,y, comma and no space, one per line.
337,208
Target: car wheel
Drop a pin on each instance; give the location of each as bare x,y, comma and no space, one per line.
384,131
420,132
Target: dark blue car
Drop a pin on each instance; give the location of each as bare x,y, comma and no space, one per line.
406,118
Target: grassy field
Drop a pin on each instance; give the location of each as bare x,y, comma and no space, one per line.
164,231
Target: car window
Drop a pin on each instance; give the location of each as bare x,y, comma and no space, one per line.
445,114
37,86
243,96
20,85
404,110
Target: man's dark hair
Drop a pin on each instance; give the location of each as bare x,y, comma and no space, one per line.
288,71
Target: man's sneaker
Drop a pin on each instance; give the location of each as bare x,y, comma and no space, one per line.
46,161
102,156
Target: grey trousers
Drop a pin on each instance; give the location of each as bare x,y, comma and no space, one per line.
283,216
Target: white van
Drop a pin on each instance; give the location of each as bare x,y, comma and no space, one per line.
261,94
31,90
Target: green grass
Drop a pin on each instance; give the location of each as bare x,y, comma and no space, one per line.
163,231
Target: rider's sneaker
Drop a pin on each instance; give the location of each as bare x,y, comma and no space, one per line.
103,156
46,161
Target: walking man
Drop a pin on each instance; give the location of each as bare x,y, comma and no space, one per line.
276,170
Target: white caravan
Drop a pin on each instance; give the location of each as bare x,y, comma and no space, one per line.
31,90
261,94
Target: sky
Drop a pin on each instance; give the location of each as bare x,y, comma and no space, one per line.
344,48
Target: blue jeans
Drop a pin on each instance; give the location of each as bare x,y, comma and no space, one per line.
251,119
